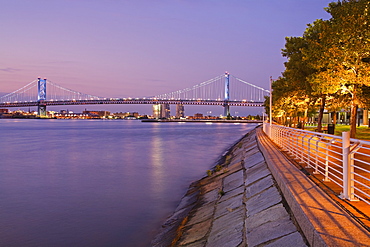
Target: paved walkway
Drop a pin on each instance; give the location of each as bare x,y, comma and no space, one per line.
257,198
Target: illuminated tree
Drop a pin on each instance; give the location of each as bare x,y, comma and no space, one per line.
316,36
340,52
292,93
330,64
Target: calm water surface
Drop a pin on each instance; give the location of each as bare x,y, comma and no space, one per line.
99,183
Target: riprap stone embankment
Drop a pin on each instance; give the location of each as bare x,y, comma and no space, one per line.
239,204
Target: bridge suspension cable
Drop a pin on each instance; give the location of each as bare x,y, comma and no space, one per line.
25,93
256,93
57,92
199,91
28,93
215,89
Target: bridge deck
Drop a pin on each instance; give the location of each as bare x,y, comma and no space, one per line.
114,101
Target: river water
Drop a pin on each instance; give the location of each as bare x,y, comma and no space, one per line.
100,183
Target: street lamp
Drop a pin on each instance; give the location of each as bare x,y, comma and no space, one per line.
270,102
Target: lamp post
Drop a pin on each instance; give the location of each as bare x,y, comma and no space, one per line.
270,118
270,100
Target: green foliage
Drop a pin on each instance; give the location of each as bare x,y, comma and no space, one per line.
218,168
329,66
221,192
363,132
209,173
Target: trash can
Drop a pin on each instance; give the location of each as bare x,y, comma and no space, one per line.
331,128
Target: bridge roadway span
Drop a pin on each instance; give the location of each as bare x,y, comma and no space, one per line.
132,101
259,198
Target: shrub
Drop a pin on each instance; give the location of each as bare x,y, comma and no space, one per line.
218,168
221,192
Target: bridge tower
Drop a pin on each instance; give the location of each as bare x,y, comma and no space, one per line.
227,95
41,96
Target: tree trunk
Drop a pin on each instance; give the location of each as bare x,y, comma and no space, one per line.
353,123
366,117
354,108
335,119
321,113
304,119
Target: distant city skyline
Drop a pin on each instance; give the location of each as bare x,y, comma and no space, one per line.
144,48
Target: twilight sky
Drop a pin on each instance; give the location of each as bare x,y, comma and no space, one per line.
138,48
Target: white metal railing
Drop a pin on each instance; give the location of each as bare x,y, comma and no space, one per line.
339,159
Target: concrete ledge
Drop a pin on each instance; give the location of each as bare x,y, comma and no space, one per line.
321,220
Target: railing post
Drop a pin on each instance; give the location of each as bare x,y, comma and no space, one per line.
267,129
316,171
346,166
326,179
272,132
309,152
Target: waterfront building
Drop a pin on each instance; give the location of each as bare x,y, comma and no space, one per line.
100,114
126,115
71,115
161,111
180,112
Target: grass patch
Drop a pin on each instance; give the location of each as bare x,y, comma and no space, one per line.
362,132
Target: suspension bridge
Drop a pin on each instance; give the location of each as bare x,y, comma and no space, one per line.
223,90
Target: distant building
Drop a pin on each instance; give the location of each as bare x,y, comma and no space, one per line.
97,113
198,115
71,115
161,111
126,114
180,112
4,111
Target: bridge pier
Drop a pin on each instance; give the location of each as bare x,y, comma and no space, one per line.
41,110
226,109
227,95
41,96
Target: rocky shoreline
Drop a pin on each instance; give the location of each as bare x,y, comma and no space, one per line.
237,204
